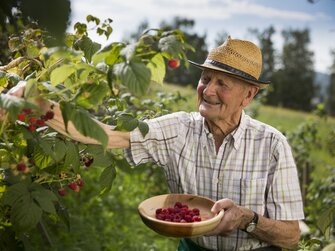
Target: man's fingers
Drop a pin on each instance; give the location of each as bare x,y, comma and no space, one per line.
18,90
222,204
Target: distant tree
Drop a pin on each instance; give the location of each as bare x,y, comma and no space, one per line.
135,35
331,88
266,44
297,75
184,75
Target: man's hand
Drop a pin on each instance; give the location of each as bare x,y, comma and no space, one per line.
279,233
235,217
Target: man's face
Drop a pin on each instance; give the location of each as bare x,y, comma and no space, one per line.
221,97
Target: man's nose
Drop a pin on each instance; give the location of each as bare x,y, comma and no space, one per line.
210,88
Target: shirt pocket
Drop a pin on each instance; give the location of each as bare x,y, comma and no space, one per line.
249,193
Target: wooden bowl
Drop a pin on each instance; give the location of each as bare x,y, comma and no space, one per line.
147,211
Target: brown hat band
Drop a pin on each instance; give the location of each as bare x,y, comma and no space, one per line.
230,69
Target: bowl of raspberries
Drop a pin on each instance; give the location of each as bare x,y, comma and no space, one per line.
179,215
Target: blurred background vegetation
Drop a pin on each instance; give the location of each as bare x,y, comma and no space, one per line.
300,103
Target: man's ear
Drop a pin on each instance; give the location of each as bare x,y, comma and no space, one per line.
251,92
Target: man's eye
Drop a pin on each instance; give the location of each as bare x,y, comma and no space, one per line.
205,80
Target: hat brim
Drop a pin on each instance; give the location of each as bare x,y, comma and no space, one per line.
260,84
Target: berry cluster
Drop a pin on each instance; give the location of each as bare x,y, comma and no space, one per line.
179,213
74,185
27,116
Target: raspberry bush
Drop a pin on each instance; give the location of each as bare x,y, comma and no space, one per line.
38,166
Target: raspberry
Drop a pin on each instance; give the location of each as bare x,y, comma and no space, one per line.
74,186
21,116
173,63
28,111
81,183
40,122
62,192
32,128
179,213
21,167
49,115
32,121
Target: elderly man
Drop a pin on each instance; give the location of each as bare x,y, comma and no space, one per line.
220,152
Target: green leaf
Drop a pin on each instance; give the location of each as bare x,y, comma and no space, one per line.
127,122
67,111
106,179
326,218
14,105
25,213
14,78
129,52
171,45
101,158
143,127
135,75
14,193
91,95
60,74
44,198
41,160
72,159
157,68
88,127
87,46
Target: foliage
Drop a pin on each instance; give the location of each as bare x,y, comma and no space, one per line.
185,75
86,80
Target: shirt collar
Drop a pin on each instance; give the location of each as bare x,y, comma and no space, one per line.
236,135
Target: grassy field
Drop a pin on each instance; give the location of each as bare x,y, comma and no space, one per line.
280,118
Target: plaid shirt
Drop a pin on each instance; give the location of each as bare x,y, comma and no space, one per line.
254,167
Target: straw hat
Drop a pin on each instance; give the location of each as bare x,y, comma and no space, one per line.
238,58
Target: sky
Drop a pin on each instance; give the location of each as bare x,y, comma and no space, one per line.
211,17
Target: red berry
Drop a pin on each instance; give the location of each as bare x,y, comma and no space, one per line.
28,111
173,63
32,128
21,167
81,183
49,115
21,116
32,121
40,122
74,186
62,192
